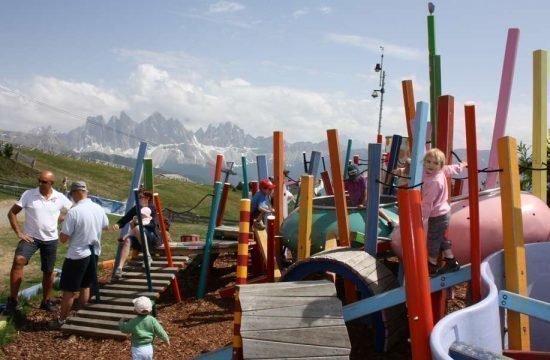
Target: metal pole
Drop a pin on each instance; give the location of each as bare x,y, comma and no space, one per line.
381,106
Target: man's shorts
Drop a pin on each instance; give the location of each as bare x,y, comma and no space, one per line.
77,274
48,251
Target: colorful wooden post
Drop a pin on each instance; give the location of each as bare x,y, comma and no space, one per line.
338,185
245,191
392,163
167,251
314,161
473,200
514,250
218,169
327,184
223,202
503,102
373,199
148,174
208,242
306,211
415,261
261,163
356,159
408,101
278,169
540,99
253,187
435,77
242,250
237,352
420,123
270,251
304,158
348,155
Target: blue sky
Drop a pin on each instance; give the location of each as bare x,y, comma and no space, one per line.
297,66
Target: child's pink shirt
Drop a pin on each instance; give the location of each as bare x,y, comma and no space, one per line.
435,193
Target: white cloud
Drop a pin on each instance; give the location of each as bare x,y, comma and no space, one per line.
225,7
299,13
325,10
372,44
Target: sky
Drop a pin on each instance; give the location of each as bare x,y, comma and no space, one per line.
300,67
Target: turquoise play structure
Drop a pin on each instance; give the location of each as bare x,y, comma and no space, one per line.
324,223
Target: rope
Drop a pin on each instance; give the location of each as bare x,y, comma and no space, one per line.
197,204
456,156
398,187
533,169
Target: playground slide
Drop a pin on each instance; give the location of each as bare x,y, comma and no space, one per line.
536,224
481,325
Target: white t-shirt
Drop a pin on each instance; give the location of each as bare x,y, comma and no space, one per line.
83,224
41,214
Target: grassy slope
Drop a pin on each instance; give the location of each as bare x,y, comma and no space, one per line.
105,181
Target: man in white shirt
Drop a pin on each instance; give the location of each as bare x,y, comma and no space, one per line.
82,229
42,207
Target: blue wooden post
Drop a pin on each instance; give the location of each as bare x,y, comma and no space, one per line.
245,179
419,147
261,161
314,161
373,198
394,159
209,240
130,202
348,155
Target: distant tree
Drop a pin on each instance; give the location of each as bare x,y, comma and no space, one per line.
525,161
7,151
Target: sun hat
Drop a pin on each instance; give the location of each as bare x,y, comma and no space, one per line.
78,186
353,171
142,305
266,184
146,216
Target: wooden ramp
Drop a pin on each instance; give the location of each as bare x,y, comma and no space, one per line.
100,319
293,320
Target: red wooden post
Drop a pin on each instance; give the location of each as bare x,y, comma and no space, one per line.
253,187
326,183
457,187
218,170
223,202
270,262
356,159
473,198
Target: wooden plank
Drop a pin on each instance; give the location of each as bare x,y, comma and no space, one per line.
132,274
180,258
336,336
116,300
112,308
259,302
104,315
300,288
131,287
125,293
258,349
105,324
155,282
153,269
324,308
95,332
250,323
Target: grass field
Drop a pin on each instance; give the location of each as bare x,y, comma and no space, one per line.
104,181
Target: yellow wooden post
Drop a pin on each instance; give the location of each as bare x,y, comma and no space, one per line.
278,168
306,211
540,83
338,186
514,251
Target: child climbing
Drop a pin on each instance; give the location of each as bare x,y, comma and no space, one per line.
436,210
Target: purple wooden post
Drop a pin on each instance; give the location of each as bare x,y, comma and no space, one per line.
503,102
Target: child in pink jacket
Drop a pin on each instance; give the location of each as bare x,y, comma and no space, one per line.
437,210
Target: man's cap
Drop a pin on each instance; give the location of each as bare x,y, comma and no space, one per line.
145,215
78,186
353,171
266,184
142,305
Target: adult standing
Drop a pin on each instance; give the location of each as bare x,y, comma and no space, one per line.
356,186
42,207
82,229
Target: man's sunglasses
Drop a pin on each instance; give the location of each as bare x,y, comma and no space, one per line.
40,181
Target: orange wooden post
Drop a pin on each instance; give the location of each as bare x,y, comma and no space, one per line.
223,202
327,184
278,168
408,100
167,251
218,170
514,250
270,261
338,185
457,187
418,299
473,199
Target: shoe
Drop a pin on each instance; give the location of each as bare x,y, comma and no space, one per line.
55,324
12,307
118,274
48,305
259,224
433,270
451,265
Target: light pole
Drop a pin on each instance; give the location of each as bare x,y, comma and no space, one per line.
380,68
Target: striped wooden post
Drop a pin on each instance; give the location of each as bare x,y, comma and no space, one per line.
473,199
278,169
540,99
237,353
218,169
261,163
338,185
242,250
306,211
373,199
167,251
270,251
148,174
408,101
223,202
245,191
503,102
514,250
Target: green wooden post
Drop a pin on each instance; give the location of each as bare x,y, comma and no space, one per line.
148,174
435,78
348,155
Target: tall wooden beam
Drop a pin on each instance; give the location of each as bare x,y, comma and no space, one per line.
408,101
373,199
540,99
338,187
306,211
279,177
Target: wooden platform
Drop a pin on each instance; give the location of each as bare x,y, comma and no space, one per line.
293,320
189,248
100,319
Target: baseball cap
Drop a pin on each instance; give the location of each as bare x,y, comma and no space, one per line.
78,186
266,184
146,215
353,171
142,305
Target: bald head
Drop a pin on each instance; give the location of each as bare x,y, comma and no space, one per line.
47,175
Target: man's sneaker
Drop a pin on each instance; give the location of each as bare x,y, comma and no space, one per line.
433,270
451,265
118,274
48,305
56,324
12,307
259,224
